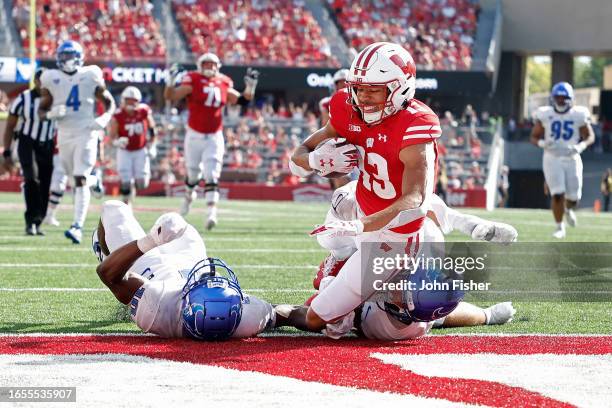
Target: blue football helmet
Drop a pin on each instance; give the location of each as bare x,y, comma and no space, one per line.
69,56
212,304
420,305
562,90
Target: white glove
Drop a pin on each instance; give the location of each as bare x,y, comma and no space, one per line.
56,112
544,144
250,80
579,148
152,151
495,232
174,74
167,228
121,142
101,122
298,170
330,158
335,229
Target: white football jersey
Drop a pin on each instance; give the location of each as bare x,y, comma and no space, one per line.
157,306
562,129
77,92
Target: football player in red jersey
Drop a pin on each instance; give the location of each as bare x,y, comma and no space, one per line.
396,137
207,91
339,83
130,128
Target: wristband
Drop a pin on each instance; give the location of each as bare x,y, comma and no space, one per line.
541,143
6,153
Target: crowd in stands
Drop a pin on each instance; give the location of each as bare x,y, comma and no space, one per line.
108,30
257,32
439,33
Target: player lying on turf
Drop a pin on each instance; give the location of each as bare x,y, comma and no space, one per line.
171,287
391,320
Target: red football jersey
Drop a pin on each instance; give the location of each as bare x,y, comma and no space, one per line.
206,101
134,126
381,170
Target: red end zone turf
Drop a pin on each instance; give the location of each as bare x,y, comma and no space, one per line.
346,362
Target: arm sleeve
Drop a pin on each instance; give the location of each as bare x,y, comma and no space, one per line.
423,129
257,316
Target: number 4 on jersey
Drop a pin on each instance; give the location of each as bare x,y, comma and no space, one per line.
73,98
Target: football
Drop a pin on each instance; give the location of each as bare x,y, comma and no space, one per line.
336,143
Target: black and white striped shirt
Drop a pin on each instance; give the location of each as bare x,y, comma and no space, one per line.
25,107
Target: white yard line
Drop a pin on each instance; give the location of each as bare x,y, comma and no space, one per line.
83,265
209,249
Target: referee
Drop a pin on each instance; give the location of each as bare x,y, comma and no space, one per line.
35,151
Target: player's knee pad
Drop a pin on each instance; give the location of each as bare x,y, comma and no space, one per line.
191,182
211,192
194,175
55,197
125,188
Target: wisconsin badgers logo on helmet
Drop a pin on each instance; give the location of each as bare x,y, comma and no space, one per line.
386,65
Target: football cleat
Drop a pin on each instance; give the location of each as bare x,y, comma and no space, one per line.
495,232
329,267
500,313
186,206
559,233
74,233
51,220
31,230
211,223
570,217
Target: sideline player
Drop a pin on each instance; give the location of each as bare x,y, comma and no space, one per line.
395,135
68,96
129,129
563,131
207,91
171,287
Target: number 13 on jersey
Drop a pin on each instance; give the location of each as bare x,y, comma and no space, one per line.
378,181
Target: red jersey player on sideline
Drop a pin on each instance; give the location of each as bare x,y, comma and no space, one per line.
130,128
395,135
207,92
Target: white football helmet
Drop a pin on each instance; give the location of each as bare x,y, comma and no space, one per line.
209,57
130,92
383,64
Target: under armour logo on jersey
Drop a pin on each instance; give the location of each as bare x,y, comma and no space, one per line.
382,137
354,128
369,142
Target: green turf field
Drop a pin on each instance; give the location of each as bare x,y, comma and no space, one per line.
48,284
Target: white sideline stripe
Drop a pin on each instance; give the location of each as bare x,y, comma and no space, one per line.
82,265
247,290
212,250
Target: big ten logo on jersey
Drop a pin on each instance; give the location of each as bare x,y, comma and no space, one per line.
376,177
135,300
562,129
213,96
133,129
